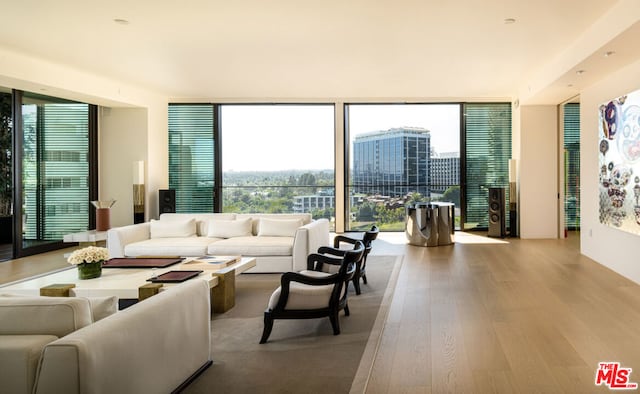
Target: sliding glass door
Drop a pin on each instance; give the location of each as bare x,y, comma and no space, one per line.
400,154
54,164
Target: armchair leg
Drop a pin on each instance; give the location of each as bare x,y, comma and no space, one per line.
335,322
268,325
364,278
346,310
356,284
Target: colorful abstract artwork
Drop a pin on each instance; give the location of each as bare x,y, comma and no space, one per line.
619,175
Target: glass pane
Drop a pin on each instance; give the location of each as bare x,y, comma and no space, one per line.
6,172
55,169
191,156
400,154
488,150
572,166
278,158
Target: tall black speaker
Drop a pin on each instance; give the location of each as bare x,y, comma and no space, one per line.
497,211
167,200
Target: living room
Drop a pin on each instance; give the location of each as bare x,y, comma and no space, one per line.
125,61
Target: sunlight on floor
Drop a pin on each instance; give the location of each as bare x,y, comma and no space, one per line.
468,238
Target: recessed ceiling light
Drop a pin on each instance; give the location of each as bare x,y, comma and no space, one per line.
508,21
570,85
609,53
580,72
121,21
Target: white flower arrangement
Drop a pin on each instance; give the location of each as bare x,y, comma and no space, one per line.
91,254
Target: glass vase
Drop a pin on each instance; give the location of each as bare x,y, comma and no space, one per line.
90,270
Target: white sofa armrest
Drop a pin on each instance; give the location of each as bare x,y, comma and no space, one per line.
150,347
119,237
307,240
59,316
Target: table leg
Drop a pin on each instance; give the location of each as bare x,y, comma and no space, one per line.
223,296
57,290
148,290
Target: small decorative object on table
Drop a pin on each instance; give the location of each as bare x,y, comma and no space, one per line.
89,261
103,208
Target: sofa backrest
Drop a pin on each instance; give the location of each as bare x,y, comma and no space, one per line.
202,219
255,218
57,316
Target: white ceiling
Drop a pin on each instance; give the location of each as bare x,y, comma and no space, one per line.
296,49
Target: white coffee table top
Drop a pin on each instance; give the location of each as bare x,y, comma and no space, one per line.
121,282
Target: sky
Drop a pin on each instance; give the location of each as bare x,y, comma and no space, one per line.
286,137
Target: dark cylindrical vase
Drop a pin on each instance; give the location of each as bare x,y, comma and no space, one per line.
89,270
102,219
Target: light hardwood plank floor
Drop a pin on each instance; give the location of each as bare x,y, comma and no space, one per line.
503,316
487,316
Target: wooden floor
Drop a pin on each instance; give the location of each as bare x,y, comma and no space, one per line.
488,316
504,316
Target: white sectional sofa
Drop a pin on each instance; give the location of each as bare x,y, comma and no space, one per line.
280,242
54,344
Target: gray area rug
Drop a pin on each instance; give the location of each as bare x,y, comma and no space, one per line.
302,356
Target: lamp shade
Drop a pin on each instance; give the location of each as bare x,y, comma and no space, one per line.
512,170
138,172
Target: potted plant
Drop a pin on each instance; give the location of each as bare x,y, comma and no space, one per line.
6,182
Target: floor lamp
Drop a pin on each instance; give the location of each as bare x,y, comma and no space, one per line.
513,199
138,192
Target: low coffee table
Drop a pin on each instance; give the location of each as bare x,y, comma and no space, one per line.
130,283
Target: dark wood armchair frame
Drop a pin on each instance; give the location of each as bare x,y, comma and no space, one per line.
368,237
346,260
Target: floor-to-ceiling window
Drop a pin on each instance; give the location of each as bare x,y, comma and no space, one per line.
55,169
572,166
273,158
399,154
6,174
278,158
487,150
192,156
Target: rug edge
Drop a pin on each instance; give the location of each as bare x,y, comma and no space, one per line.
363,373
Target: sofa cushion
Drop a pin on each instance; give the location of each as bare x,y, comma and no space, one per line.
173,228
19,361
189,246
253,246
278,227
303,296
202,219
229,228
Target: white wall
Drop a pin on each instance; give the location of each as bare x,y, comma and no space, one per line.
133,127
610,247
122,140
538,171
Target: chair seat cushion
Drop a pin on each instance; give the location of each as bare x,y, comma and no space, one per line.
253,246
181,246
303,296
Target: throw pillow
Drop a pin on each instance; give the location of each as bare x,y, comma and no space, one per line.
278,227
173,228
102,307
229,228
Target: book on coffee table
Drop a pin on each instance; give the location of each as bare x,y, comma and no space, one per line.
211,262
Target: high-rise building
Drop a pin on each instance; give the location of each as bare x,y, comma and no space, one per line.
392,162
444,170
